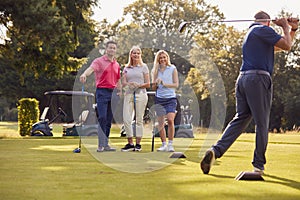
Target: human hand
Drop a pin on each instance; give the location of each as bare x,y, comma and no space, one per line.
136,85
119,93
293,22
158,81
153,86
133,85
83,78
282,22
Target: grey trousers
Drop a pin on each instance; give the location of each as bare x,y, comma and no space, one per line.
253,100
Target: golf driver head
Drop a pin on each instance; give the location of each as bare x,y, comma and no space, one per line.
182,26
77,150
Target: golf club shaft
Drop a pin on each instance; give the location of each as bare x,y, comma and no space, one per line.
152,143
152,117
153,133
183,24
79,146
134,107
235,20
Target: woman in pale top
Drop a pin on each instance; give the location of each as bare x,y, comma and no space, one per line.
135,80
165,80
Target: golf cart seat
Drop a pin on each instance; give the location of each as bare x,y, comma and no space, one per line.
43,116
81,119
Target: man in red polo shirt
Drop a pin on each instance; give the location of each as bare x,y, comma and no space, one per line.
107,76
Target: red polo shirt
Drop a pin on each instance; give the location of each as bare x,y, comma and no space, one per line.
107,73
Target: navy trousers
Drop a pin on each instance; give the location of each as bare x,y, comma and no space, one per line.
106,99
253,100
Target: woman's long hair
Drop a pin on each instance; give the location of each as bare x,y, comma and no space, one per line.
156,63
130,62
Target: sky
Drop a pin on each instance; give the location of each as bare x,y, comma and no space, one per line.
232,9
112,10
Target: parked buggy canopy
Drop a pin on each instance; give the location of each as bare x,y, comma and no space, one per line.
70,93
68,100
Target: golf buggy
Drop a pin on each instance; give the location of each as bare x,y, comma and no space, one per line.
182,122
86,123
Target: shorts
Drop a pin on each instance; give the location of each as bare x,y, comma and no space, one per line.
164,106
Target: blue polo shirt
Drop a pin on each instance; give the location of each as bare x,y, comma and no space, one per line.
258,48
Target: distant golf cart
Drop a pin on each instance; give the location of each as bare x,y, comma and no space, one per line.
182,122
86,122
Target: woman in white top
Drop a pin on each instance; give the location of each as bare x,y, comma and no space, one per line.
135,80
165,80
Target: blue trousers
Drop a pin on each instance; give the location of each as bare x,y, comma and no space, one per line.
253,100
106,99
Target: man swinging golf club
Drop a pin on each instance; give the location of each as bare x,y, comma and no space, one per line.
254,87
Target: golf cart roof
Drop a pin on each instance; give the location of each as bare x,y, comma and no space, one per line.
69,93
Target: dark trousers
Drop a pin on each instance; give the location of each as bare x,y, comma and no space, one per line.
105,101
253,100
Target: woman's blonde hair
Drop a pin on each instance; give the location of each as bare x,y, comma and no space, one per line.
130,62
156,63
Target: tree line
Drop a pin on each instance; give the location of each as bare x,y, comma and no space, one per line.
49,42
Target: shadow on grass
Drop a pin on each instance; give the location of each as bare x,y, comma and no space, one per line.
221,176
283,181
179,161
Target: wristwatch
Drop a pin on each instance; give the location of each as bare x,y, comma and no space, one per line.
294,29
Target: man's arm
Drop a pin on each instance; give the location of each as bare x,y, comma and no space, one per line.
285,43
86,73
119,87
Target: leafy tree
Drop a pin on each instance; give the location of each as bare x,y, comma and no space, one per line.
163,17
43,33
155,26
286,104
47,41
217,69
226,55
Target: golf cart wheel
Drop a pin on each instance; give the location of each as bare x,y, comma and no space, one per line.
183,134
122,132
38,133
92,134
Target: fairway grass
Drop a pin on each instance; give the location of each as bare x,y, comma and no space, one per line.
46,168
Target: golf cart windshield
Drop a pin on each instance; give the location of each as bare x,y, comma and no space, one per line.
67,100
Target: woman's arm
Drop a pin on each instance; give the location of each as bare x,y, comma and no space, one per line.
146,83
175,81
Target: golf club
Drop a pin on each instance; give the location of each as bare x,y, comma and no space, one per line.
152,119
183,24
153,130
134,107
78,150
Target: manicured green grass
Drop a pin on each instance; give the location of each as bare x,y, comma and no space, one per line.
10,129
46,168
